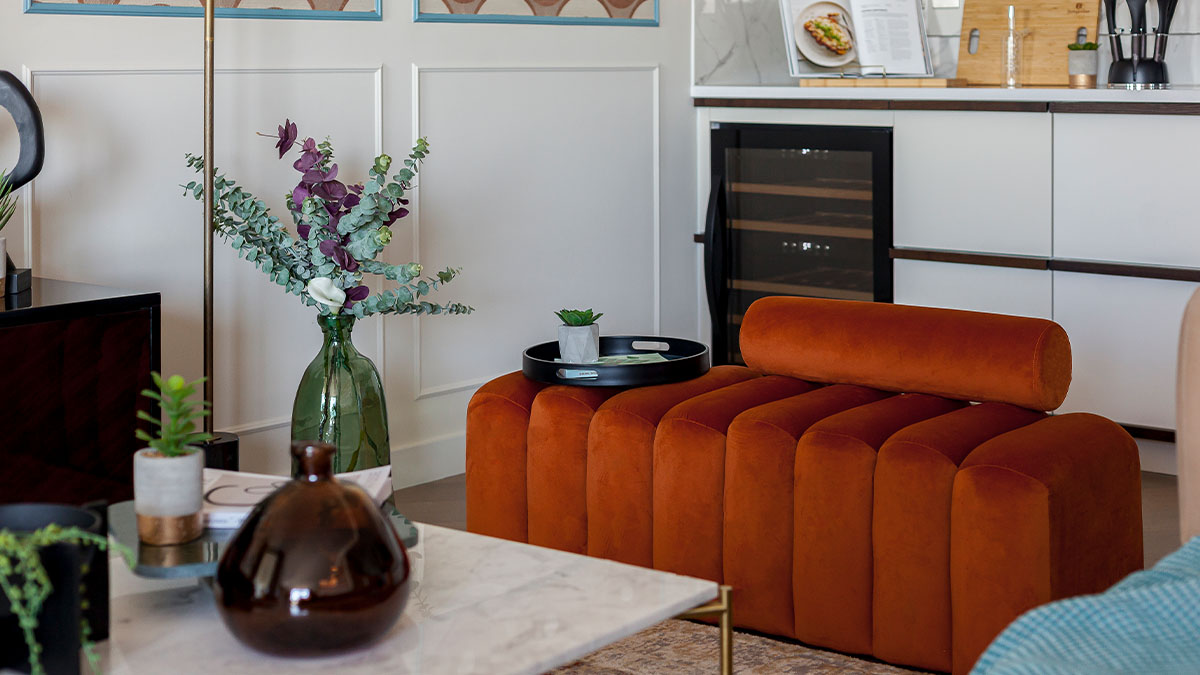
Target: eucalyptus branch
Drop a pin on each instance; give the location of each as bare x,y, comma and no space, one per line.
342,231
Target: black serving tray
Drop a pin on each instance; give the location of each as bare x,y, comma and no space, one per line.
686,360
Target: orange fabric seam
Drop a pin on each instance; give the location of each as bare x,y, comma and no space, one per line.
631,413
765,423
699,424
1038,349
930,448
502,398
1011,470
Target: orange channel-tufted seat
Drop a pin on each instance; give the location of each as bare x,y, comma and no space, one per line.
880,479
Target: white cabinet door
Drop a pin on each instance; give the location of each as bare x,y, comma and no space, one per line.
1124,344
973,181
1001,290
1125,188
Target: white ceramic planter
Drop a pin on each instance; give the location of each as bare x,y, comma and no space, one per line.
1082,65
579,344
168,496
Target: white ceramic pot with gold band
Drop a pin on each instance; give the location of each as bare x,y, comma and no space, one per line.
168,496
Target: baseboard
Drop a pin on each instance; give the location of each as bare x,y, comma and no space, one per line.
430,460
1157,456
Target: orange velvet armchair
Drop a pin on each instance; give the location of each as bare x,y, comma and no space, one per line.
880,479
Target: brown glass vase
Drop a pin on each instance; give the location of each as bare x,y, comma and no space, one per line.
315,569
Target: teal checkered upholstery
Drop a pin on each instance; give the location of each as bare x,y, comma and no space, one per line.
1147,623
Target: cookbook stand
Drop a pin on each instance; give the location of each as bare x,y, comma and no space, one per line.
856,79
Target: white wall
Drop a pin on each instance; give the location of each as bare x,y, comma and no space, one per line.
560,175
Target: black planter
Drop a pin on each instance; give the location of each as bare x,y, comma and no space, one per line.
59,621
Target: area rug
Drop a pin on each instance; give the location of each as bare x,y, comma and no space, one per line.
686,647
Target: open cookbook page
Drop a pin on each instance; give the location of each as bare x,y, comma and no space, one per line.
849,38
229,495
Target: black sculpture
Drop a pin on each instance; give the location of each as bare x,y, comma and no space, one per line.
15,98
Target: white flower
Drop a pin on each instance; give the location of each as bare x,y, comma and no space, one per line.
325,292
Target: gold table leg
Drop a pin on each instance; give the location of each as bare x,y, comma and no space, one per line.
722,608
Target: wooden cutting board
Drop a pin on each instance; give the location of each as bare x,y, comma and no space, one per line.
1049,25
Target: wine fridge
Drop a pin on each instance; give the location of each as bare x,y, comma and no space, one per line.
795,210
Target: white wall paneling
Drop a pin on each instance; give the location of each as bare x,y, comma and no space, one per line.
973,181
980,288
122,100
1124,344
553,226
1124,188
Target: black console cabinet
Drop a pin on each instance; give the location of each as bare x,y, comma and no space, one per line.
73,361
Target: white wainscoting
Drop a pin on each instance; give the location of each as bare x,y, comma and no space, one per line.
107,210
556,218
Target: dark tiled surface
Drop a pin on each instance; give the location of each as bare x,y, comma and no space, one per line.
1160,516
442,502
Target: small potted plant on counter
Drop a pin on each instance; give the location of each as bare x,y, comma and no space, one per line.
578,336
1083,61
168,476
44,551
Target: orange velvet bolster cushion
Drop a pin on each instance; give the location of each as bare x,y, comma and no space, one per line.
969,356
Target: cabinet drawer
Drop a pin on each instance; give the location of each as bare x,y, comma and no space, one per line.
1125,188
1001,290
973,181
1124,344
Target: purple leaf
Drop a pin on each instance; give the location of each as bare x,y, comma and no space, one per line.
329,247
303,230
299,195
287,137
396,215
358,293
307,161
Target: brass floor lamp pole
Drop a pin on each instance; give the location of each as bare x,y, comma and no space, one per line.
209,174
222,451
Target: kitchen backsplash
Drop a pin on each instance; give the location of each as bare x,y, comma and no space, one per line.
740,42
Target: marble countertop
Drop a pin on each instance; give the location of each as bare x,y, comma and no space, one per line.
1182,94
478,605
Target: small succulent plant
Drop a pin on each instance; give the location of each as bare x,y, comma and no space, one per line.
177,435
578,317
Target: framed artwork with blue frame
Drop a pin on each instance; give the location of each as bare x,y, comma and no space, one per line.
574,12
345,10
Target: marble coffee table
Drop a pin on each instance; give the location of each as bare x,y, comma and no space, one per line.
478,605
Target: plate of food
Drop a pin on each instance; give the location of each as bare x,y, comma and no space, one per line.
824,35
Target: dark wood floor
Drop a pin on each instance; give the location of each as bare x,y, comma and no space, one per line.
444,503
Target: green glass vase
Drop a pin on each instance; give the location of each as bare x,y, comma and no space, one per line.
340,401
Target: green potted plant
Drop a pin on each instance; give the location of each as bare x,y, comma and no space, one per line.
168,475
8,206
1083,61
327,261
43,551
578,336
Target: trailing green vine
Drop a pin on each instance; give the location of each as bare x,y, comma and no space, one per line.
26,585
